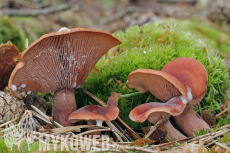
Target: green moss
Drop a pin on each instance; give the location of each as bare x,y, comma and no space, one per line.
216,38
162,43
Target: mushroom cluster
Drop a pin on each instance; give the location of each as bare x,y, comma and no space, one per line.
181,82
60,62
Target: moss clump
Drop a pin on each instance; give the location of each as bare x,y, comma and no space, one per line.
152,46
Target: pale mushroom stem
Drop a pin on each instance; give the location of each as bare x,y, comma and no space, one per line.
99,122
190,122
64,105
172,132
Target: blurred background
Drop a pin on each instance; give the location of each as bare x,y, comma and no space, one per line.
21,19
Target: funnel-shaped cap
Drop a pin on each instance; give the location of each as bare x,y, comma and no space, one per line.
60,60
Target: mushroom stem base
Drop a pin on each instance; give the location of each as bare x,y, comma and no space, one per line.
190,122
64,105
172,132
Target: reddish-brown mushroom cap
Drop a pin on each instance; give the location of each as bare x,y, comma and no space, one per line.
60,60
191,73
94,112
162,85
155,111
8,53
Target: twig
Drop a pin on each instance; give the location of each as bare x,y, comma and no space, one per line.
70,129
210,62
222,112
228,150
36,12
45,116
134,134
65,130
138,149
117,135
221,145
41,117
94,97
224,127
118,146
217,135
122,131
132,94
4,124
104,150
147,100
170,143
211,143
154,128
91,131
117,131
199,137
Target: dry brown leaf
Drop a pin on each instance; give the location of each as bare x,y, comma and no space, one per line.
119,83
142,142
8,53
113,99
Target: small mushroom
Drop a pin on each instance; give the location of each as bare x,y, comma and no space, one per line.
95,115
60,62
184,77
8,54
154,111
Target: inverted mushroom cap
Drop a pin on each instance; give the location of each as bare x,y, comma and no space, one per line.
155,111
8,52
60,60
191,73
162,85
94,112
